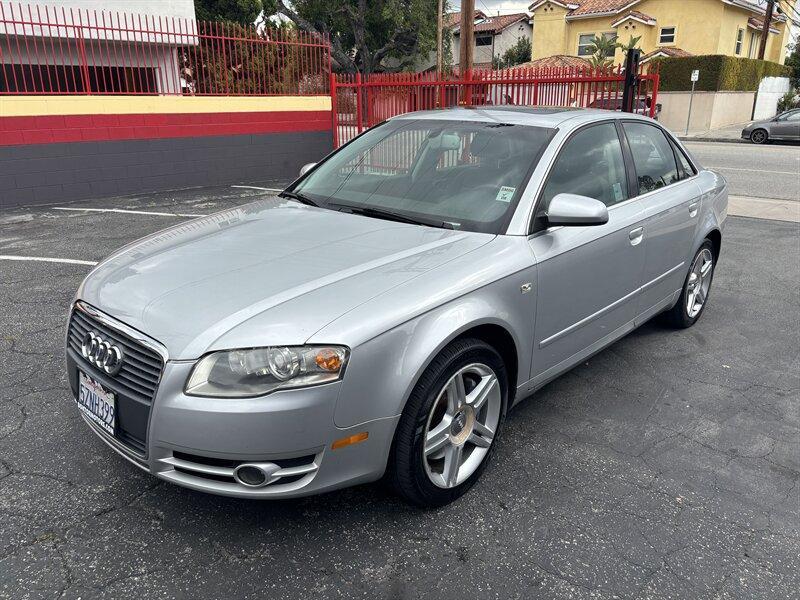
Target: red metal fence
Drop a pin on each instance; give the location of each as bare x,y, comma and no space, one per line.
362,103
47,50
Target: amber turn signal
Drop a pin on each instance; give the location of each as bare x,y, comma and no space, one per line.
328,360
349,441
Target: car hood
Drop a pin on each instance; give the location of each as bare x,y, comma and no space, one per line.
272,272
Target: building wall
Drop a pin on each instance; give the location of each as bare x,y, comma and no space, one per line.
60,148
550,32
710,110
702,27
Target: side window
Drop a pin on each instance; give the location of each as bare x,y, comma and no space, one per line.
795,116
684,166
652,156
590,164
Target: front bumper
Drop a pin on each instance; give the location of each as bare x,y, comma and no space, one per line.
197,442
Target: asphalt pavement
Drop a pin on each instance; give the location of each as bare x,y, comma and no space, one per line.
768,171
667,466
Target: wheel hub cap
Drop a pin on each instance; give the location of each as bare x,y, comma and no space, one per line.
461,425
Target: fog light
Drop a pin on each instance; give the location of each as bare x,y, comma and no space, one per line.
255,475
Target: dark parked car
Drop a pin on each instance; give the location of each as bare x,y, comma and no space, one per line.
785,126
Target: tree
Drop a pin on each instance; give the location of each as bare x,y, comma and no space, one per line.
367,36
516,55
602,51
632,44
793,61
244,12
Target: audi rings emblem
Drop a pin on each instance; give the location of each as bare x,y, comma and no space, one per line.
101,353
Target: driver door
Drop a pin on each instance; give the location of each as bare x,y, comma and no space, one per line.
588,276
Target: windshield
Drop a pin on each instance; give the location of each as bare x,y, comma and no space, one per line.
454,174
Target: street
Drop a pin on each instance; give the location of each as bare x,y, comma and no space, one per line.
667,466
768,171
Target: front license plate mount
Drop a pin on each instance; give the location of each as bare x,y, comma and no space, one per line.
97,403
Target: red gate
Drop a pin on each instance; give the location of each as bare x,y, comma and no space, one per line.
361,103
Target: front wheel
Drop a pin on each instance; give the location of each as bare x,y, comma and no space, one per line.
759,136
695,289
446,433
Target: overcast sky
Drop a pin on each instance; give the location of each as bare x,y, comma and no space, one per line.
492,6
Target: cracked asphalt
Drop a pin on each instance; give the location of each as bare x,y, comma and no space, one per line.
667,466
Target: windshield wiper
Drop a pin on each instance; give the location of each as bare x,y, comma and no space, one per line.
390,215
299,197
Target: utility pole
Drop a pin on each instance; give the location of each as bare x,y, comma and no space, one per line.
765,29
466,35
439,49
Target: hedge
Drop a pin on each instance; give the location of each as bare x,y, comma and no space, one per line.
717,73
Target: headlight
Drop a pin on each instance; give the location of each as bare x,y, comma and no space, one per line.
258,371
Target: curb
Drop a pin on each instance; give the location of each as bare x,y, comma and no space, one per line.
712,139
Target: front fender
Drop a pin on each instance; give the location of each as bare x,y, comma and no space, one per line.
383,371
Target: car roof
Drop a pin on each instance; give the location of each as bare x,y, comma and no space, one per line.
550,116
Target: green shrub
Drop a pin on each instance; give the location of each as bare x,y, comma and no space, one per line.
717,73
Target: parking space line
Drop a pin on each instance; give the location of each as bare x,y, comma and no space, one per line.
128,212
255,187
68,261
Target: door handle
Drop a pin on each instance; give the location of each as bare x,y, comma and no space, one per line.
693,208
635,235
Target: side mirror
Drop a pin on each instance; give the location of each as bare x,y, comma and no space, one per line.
576,211
306,168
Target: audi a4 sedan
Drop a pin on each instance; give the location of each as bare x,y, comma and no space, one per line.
379,317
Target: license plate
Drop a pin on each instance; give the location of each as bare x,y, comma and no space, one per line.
96,403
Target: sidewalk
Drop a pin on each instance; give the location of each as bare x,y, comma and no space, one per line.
730,133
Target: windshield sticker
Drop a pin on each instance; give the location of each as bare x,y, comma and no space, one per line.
618,192
505,194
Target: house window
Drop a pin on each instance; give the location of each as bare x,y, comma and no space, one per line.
483,40
737,49
755,40
586,41
667,35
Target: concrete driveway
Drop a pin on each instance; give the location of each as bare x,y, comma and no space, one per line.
665,467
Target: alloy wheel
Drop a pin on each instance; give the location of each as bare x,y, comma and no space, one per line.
461,425
759,136
699,282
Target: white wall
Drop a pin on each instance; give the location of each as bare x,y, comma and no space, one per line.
92,13
502,42
770,91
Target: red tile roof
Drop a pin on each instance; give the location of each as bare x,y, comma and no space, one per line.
636,15
591,7
557,60
454,19
756,23
671,51
497,24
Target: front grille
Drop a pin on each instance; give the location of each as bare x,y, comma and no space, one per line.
135,384
141,368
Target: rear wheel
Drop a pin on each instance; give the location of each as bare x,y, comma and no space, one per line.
446,434
695,289
759,136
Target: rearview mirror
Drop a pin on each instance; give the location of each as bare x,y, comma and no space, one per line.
306,168
574,210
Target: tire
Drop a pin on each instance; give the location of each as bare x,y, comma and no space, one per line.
759,136
681,316
414,472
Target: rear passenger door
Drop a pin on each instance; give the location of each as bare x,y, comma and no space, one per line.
671,201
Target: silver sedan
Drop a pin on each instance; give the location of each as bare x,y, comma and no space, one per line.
381,316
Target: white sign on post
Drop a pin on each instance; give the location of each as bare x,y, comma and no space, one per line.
696,75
